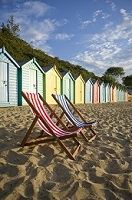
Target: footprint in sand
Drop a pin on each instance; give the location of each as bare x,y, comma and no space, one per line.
8,169
10,186
29,190
31,171
113,167
61,173
44,193
48,153
16,158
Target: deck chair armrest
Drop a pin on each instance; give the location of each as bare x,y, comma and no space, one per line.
75,110
52,112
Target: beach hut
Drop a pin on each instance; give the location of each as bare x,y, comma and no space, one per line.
107,93
102,92
126,95
52,83
114,94
8,79
117,94
68,85
111,94
96,91
79,89
121,94
30,78
88,91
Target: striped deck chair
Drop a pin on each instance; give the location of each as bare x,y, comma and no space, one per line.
49,130
78,121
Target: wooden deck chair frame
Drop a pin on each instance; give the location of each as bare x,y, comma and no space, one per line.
44,138
81,117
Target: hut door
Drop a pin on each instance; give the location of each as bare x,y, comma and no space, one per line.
3,82
67,85
33,81
55,84
81,86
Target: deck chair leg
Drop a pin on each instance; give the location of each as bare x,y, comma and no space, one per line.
29,131
94,135
85,138
70,155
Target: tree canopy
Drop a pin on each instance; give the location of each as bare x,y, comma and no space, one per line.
127,81
11,26
115,71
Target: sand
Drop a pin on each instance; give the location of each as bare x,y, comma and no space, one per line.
102,170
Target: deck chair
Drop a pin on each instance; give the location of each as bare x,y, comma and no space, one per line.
70,111
50,131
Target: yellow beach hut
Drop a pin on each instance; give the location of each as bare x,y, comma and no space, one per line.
52,83
79,89
111,94
114,94
126,95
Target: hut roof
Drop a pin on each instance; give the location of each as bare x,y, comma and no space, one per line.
3,50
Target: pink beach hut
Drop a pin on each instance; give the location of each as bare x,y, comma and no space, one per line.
96,91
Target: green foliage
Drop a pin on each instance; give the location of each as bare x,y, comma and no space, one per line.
20,50
11,27
127,81
115,71
108,79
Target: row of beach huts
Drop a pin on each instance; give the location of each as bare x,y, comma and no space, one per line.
30,76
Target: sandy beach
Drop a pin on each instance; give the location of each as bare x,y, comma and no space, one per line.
102,170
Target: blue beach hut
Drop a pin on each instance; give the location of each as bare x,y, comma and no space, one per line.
88,91
8,79
102,92
107,93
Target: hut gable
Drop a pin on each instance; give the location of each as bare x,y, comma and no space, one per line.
8,79
52,83
88,90
6,57
79,89
31,76
68,85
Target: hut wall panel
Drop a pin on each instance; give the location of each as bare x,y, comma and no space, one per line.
71,87
51,87
40,82
79,91
13,80
102,93
88,92
13,85
95,93
25,79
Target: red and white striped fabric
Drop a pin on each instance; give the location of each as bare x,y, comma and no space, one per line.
38,104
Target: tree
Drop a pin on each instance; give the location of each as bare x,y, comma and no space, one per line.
115,72
11,27
127,81
108,79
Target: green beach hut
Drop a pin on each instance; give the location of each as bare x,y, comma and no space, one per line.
30,79
68,87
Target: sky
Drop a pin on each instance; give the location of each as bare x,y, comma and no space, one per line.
96,34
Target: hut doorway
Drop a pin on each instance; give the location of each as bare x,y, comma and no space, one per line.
4,86
33,80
